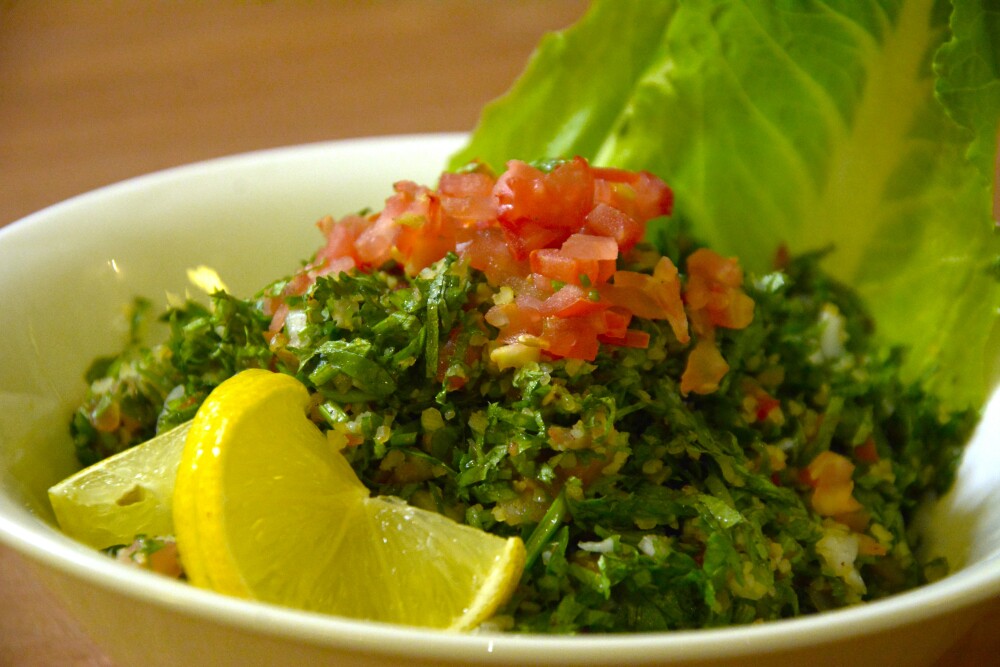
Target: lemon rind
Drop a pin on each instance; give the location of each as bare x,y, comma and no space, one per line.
497,589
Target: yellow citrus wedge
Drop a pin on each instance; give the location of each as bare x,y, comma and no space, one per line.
266,508
125,495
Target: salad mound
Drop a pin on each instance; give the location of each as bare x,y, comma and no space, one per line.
543,354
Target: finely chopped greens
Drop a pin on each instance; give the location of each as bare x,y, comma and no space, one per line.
687,465
643,505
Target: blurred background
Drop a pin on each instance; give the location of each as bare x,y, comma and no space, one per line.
98,91
93,92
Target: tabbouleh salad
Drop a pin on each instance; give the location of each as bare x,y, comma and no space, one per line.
545,353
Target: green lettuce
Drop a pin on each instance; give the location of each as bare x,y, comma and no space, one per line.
863,125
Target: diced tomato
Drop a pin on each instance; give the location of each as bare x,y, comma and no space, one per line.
276,305
552,237
335,266
589,465
559,265
446,358
766,404
590,247
705,368
514,320
445,355
639,194
297,285
529,201
632,338
623,202
655,297
711,265
760,404
420,245
340,240
552,264
167,561
738,313
468,197
712,274
277,320
375,243
411,225
487,251
573,301
834,500
615,323
632,280
532,236
867,451
543,285
418,251
530,299
573,337
831,476
829,468
605,220
626,291
666,290
714,287
588,469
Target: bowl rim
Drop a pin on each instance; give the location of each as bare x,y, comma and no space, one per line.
31,537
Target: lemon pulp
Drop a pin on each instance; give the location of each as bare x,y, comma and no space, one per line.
125,495
266,508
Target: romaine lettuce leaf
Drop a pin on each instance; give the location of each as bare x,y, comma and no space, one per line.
871,126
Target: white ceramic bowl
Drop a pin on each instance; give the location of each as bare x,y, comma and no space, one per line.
66,276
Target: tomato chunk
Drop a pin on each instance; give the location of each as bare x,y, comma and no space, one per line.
616,322
632,338
638,194
515,320
654,297
573,301
625,201
468,197
573,337
715,287
529,200
552,237
590,247
557,265
705,368
867,451
831,476
412,207
605,220
488,251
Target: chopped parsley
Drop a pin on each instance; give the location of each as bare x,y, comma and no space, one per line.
784,486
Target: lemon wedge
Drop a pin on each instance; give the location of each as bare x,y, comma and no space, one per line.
122,496
266,508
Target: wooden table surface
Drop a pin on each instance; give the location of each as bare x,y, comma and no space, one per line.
92,93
